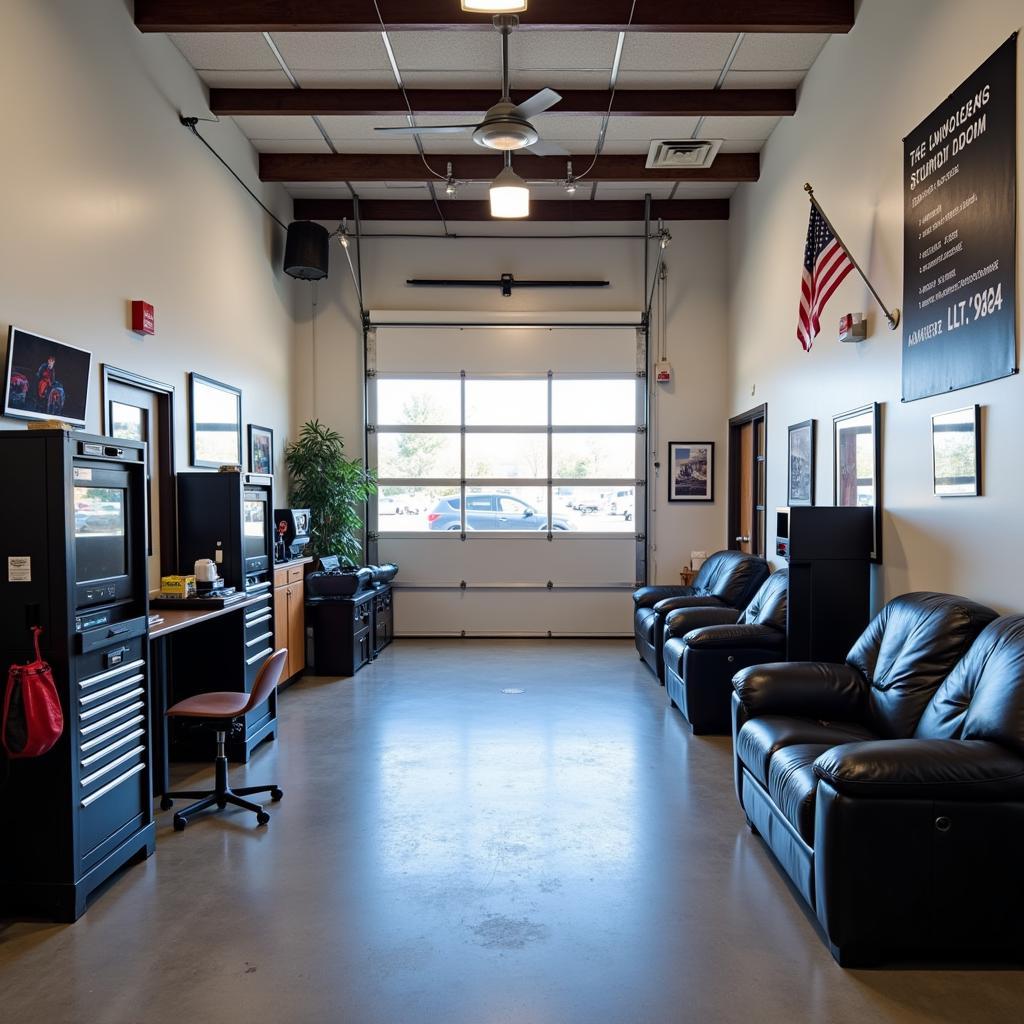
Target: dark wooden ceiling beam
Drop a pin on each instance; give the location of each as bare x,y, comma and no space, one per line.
399,167
541,210
420,15
463,102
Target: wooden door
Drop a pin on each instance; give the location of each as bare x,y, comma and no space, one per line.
296,628
281,624
747,492
745,521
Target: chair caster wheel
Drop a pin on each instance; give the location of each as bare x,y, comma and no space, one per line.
276,794
180,823
166,803
262,818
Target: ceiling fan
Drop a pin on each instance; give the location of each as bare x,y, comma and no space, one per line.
506,126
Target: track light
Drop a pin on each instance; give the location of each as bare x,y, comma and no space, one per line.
570,179
664,238
451,190
494,6
343,233
510,196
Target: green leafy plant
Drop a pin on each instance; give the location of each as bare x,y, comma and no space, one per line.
331,486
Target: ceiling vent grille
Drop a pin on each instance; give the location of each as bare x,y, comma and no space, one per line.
674,153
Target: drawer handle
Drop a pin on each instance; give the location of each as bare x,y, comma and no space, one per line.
84,684
258,640
111,733
100,708
257,586
104,790
130,738
258,619
128,709
262,654
107,690
90,779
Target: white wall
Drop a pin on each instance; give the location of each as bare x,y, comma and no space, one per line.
865,92
105,198
329,385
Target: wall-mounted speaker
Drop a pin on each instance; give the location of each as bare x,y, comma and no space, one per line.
306,250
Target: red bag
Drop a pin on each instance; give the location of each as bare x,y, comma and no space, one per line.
33,720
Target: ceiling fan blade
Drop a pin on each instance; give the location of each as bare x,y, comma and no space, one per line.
537,104
438,129
542,148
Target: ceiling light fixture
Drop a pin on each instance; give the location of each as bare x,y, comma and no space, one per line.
343,233
570,179
451,190
494,6
510,196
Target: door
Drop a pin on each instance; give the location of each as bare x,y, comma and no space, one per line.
281,622
745,526
747,481
296,628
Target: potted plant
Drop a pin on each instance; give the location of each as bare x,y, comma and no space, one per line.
330,486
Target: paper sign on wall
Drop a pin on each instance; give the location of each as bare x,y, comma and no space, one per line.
19,569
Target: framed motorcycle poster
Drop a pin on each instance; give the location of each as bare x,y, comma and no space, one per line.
45,379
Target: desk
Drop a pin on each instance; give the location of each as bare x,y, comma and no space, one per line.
212,643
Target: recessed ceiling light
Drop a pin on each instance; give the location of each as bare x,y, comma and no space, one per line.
510,196
494,6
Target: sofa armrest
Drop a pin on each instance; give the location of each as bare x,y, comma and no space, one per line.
685,620
806,689
647,597
671,604
925,769
737,637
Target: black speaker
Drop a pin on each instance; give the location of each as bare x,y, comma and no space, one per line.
306,250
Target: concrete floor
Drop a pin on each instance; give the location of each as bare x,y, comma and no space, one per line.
449,853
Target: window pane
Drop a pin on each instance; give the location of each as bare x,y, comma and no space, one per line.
509,508
593,403
596,509
418,455
578,456
406,509
507,455
507,403
432,403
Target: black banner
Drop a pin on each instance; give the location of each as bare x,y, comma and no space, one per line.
960,229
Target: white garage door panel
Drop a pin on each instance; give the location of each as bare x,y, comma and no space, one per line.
513,613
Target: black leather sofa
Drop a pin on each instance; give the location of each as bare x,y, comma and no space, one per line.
891,787
705,647
727,579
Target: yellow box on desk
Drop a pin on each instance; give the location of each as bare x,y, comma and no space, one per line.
177,586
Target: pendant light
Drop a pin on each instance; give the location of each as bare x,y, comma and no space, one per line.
494,6
510,195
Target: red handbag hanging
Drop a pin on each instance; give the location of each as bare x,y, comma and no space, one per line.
32,720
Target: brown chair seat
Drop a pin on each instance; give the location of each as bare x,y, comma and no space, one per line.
210,705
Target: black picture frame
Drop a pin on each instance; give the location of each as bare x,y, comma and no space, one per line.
261,457
801,447
949,480
847,485
204,392
35,388
684,457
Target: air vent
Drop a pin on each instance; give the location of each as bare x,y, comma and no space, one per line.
682,153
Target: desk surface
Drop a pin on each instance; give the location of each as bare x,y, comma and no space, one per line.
175,619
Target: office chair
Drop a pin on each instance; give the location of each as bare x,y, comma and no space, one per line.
224,707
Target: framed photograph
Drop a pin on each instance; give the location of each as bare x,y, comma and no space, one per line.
46,379
956,463
691,467
215,422
857,464
800,471
261,449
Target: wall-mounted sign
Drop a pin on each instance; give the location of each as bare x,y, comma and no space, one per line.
959,240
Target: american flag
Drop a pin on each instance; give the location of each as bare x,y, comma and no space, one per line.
826,263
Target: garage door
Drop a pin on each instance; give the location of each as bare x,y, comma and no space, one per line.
510,460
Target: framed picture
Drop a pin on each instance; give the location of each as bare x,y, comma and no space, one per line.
215,422
857,464
800,471
691,467
46,379
261,449
956,463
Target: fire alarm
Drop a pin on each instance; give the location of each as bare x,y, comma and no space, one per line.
143,317
853,327
663,372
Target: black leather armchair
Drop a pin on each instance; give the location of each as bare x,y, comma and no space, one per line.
727,579
891,788
705,647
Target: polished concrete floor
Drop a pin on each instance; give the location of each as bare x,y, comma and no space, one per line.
447,853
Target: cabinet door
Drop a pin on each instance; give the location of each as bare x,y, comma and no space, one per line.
296,628
281,624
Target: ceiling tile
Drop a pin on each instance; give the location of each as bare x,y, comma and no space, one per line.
489,79
565,126
634,189
764,79
226,51
333,51
583,51
344,79
676,51
245,79
778,51
444,51
742,146
560,80
314,189
291,145
266,127
654,78
739,127
643,129
704,190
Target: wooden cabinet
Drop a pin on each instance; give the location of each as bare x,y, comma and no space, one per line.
290,616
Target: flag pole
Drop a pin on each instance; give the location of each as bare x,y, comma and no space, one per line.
893,317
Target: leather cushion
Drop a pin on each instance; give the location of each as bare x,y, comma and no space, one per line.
761,737
793,785
210,705
769,605
729,636
732,576
645,622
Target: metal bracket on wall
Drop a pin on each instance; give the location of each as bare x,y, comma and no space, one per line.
506,283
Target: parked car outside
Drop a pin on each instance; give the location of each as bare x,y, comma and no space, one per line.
491,512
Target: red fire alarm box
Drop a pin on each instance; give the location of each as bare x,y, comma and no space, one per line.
143,317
